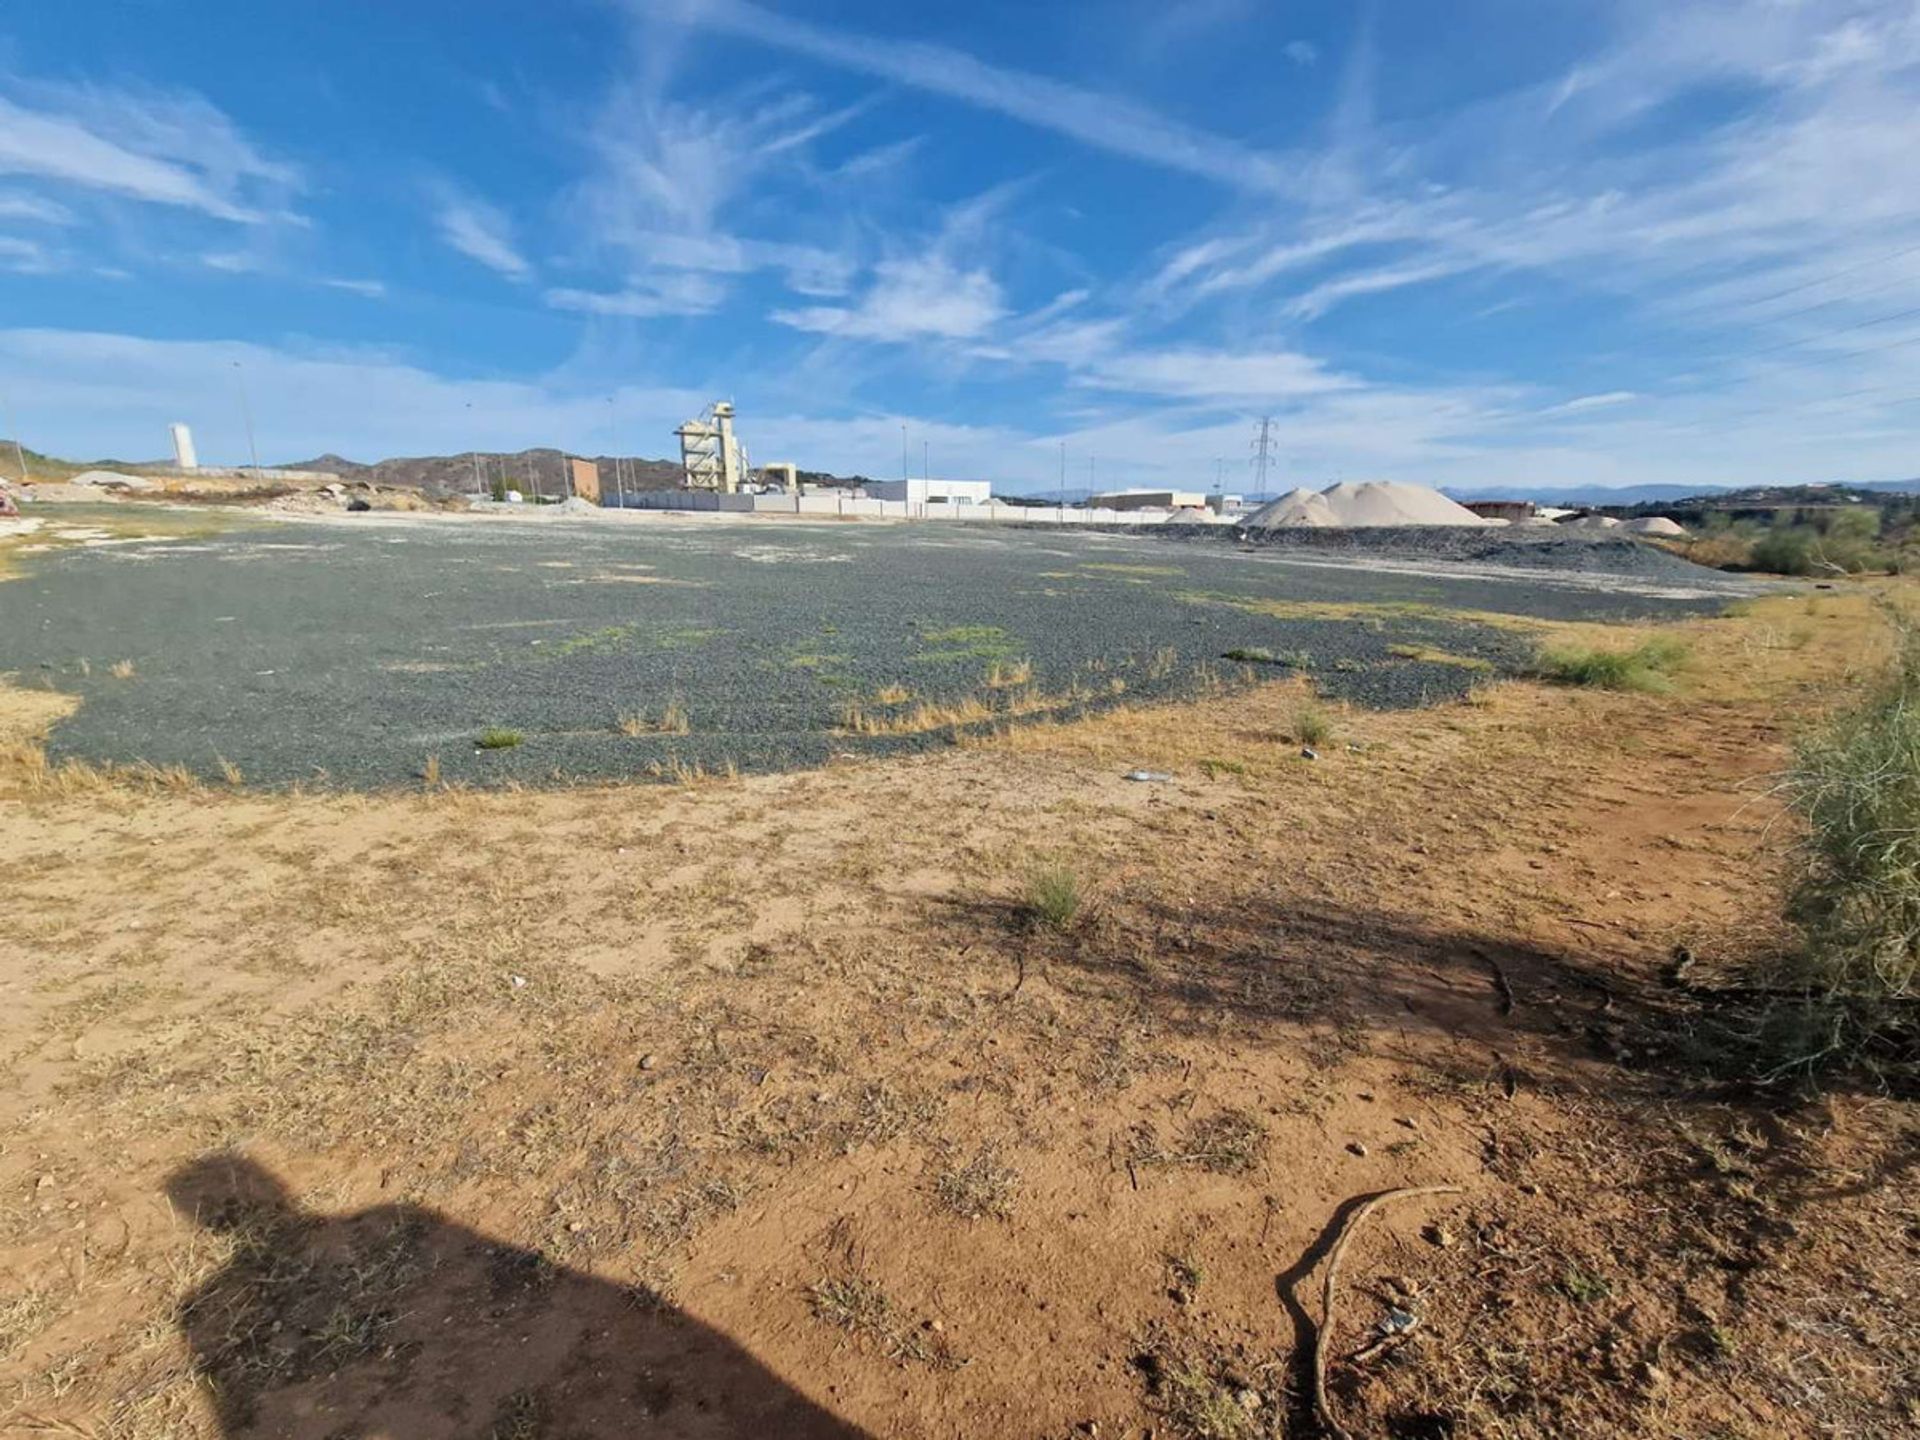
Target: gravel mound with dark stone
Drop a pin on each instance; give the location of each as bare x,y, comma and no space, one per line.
350,652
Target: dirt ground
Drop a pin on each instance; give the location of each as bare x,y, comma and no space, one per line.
769,1107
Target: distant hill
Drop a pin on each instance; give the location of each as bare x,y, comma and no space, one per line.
1617,495
524,470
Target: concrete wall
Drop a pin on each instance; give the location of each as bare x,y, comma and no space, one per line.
871,509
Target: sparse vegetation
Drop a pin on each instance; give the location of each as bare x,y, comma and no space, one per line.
672,720
1230,1142
1647,667
1251,655
1002,675
922,718
1855,782
855,1303
497,737
982,1188
122,669
1310,724
1053,896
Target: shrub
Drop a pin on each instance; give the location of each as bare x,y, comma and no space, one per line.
1856,895
1311,725
1850,543
1053,896
496,737
1647,667
1784,550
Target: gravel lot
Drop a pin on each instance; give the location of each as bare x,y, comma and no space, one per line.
352,651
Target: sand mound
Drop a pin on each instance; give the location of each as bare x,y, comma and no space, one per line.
1593,522
1372,504
1653,525
1295,508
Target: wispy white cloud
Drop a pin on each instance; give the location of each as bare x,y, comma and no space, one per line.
1582,403
367,289
1216,376
1301,52
1105,122
1323,297
909,299
670,294
480,232
24,257
35,208
231,262
163,149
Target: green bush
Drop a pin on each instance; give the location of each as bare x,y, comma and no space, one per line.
1053,896
496,737
1784,550
1647,667
1856,896
1311,725
1850,543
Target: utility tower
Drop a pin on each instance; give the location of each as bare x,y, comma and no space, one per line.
1262,453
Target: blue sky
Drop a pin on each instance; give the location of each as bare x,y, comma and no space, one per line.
1481,243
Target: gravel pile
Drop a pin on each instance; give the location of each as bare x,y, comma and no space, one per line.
354,652
1371,505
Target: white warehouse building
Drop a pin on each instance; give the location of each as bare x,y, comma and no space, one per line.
932,492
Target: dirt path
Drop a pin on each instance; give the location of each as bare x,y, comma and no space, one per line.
765,1107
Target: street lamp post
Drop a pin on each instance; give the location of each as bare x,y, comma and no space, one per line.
19,455
246,414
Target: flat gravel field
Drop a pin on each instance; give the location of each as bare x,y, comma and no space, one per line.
349,652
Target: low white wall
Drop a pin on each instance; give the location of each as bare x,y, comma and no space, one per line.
868,508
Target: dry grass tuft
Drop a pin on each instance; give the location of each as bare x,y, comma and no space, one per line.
855,1303
1311,725
982,1187
924,717
1053,896
672,720
121,670
1005,674
1229,1143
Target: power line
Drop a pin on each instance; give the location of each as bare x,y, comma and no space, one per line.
1837,300
1805,284
1842,330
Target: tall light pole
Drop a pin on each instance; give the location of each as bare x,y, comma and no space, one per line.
613,434
19,455
473,455
246,414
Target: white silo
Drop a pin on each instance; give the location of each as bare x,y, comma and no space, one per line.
183,455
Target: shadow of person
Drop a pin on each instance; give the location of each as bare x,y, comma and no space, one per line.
397,1322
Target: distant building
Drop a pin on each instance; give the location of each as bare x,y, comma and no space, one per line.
1148,500
1501,509
932,492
